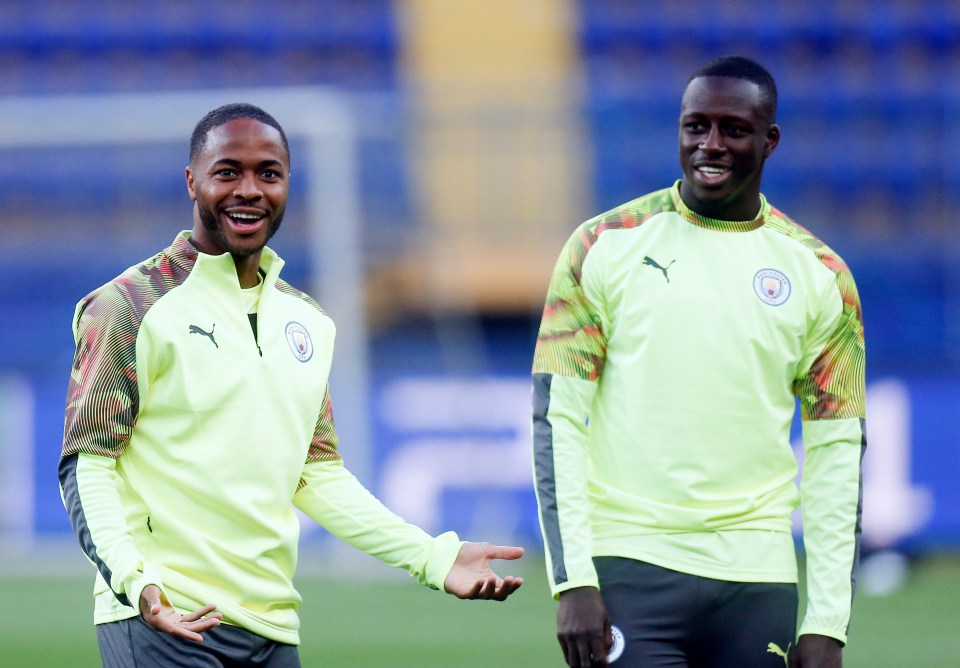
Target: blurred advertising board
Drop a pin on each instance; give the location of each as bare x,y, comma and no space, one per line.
454,453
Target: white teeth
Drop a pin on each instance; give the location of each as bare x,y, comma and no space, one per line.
245,216
706,169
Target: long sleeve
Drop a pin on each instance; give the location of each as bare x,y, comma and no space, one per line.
832,402
102,405
561,405
831,501
89,491
567,363
335,499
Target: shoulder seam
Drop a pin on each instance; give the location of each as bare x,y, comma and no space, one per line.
287,289
627,216
782,224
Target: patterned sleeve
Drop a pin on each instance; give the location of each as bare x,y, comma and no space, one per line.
832,399
568,362
102,396
834,387
323,447
102,404
571,340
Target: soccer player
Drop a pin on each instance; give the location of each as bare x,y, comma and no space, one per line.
678,332
198,416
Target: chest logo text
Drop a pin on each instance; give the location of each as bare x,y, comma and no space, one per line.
771,286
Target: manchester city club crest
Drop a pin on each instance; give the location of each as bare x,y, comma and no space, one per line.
771,286
619,644
299,339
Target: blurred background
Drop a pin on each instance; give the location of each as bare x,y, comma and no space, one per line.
442,151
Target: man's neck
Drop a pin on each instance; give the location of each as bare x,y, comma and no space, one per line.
248,267
746,209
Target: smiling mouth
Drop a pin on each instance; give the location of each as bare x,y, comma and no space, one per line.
246,222
712,173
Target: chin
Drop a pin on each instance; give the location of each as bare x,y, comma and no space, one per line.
713,196
244,250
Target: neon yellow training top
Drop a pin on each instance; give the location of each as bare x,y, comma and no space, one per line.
670,357
189,439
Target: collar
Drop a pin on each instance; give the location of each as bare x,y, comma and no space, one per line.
714,224
185,256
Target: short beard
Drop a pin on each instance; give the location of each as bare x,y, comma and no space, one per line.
211,224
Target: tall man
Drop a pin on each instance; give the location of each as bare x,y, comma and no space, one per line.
678,331
198,415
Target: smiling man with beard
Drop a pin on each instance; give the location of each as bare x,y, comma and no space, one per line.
238,177
184,456
680,329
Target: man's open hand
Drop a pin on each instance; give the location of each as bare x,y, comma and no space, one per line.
156,611
472,577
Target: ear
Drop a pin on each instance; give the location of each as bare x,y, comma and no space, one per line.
771,140
190,188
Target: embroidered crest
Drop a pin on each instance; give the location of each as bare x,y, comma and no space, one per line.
299,339
771,286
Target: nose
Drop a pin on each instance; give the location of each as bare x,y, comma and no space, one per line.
248,187
712,142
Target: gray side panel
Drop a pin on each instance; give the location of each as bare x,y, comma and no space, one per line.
858,529
71,498
544,474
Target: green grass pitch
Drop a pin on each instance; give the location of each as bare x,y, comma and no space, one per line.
394,623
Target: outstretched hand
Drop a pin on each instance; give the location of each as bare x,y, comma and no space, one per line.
157,611
472,577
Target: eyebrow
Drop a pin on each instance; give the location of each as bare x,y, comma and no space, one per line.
236,163
723,117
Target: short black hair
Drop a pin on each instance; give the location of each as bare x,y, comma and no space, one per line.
225,114
741,67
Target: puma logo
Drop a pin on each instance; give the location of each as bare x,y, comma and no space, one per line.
649,261
773,648
196,330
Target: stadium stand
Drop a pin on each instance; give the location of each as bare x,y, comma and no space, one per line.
868,105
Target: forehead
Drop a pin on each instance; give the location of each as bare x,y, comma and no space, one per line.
244,139
723,96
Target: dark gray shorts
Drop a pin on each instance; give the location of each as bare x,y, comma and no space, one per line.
132,643
676,620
